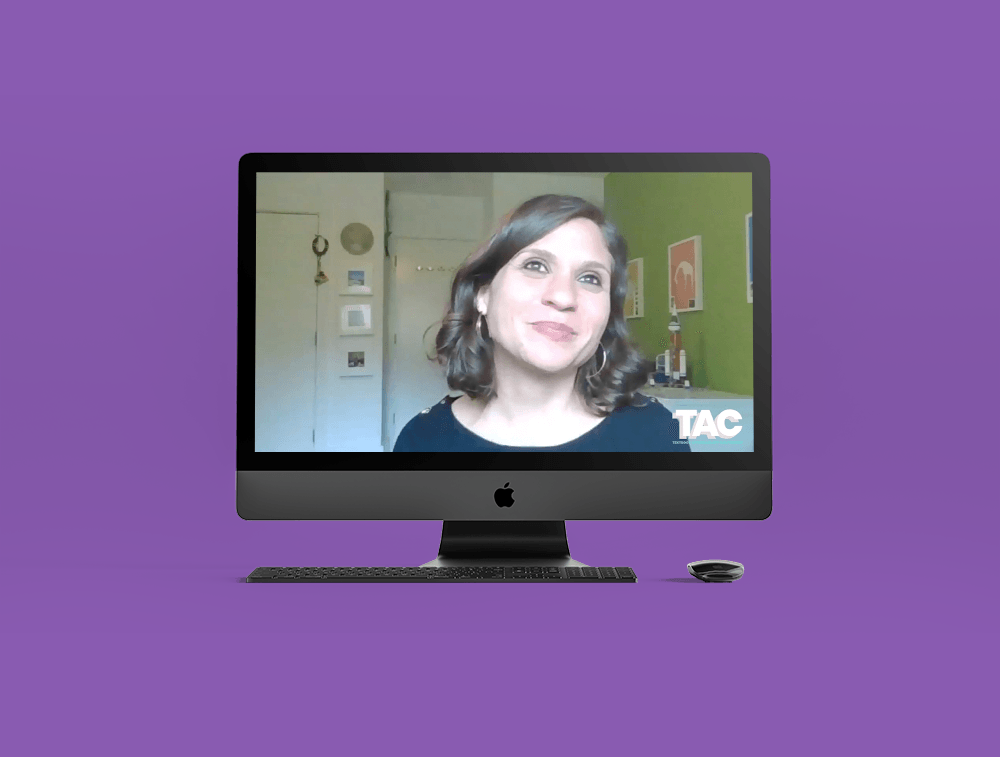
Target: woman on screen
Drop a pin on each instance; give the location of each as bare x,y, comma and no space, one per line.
536,338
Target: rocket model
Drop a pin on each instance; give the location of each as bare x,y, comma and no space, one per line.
678,357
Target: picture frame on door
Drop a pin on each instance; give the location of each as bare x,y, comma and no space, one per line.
685,284
354,361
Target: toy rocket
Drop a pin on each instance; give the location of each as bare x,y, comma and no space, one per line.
678,357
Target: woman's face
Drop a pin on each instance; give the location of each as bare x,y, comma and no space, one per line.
549,306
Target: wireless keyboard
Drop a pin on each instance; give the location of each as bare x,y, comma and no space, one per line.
506,574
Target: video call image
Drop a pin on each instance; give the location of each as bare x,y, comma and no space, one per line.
503,312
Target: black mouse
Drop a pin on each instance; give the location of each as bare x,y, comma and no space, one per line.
716,571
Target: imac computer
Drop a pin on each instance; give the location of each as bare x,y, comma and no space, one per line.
504,342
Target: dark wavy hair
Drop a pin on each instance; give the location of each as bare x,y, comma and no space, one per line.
467,355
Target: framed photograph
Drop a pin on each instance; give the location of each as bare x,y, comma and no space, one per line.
357,280
749,225
634,297
355,320
684,267
353,364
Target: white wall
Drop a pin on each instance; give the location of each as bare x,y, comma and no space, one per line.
431,216
511,189
445,184
285,325
436,233
349,410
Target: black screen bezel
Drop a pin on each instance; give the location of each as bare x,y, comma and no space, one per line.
754,163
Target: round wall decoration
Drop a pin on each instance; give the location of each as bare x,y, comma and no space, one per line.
357,238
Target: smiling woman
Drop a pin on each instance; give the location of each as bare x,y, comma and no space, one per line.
548,308
536,338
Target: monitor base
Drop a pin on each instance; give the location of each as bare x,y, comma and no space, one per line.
528,542
470,562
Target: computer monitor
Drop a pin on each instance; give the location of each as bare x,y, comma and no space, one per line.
504,342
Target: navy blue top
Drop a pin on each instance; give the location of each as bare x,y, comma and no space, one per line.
645,427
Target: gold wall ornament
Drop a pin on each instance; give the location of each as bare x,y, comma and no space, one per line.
357,238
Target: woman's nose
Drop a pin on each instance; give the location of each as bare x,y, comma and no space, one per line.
561,293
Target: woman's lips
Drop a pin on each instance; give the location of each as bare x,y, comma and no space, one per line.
557,332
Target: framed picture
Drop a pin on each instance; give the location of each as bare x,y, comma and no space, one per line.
357,280
353,364
749,225
684,267
634,297
355,319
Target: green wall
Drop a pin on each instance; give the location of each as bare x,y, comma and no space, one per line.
654,210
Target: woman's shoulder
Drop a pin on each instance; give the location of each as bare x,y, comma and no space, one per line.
642,406
465,409
433,415
646,424
427,428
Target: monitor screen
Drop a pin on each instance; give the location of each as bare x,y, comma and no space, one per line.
529,337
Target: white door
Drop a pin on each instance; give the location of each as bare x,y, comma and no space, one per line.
421,271
285,344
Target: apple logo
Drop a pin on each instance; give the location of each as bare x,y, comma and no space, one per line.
504,497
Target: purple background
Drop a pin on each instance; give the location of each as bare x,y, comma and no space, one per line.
123,627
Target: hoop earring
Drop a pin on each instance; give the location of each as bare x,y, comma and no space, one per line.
604,360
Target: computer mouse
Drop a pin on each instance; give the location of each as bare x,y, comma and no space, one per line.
716,571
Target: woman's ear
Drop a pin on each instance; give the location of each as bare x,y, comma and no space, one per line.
482,301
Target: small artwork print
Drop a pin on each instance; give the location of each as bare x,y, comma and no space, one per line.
684,267
634,295
355,319
357,281
353,363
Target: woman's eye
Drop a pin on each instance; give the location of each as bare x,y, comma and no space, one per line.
539,266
